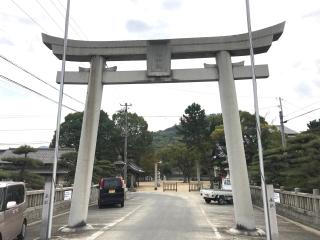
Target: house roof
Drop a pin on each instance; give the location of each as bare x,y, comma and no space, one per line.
46,155
131,166
135,168
287,130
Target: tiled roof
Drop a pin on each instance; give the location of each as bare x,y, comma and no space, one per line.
46,155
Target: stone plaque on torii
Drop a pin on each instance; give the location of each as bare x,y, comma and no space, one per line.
158,54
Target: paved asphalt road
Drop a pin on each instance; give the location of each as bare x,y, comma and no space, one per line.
167,216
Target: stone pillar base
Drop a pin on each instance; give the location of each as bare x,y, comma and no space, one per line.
246,232
82,228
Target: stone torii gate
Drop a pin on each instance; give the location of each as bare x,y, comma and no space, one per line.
158,54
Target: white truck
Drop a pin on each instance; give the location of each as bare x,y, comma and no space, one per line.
222,196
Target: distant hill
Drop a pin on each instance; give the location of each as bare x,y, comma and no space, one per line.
164,137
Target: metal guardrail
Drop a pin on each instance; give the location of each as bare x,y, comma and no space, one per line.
167,186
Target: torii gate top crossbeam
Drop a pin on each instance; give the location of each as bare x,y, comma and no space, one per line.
180,48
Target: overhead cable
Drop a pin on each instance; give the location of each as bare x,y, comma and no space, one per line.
74,21
31,74
40,94
24,130
301,115
49,15
73,28
15,144
302,108
31,18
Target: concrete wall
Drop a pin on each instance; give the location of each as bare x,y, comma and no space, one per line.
34,199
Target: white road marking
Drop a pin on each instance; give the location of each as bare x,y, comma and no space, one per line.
110,225
214,229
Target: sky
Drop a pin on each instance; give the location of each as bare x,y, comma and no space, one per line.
27,118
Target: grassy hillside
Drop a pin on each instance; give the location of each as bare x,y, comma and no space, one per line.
164,137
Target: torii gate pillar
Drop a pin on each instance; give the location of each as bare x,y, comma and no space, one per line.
81,192
243,209
158,54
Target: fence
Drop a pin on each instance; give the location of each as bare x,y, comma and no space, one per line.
195,186
167,186
301,207
35,201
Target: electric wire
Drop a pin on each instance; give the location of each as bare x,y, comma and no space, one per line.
73,28
74,21
25,130
31,18
301,115
291,103
302,108
31,90
38,78
23,116
49,15
16,144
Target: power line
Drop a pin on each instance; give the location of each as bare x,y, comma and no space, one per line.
302,108
206,93
291,104
22,116
62,15
301,115
33,20
21,143
40,94
36,77
24,130
49,15
74,21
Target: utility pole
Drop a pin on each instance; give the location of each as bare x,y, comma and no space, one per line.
126,105
283,136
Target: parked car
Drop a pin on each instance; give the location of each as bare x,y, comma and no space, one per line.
111,191
222,196
13,222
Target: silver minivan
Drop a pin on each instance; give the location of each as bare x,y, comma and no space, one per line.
13,204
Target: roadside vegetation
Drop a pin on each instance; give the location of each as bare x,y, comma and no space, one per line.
196,142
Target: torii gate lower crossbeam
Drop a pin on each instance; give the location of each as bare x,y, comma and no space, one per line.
158,54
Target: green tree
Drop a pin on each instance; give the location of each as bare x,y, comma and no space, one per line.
103,168
70,132
19,170
139,138
147,161
314,126
68,162
195,131
106,151
194,126
297,166
110,141
249,133
179,156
